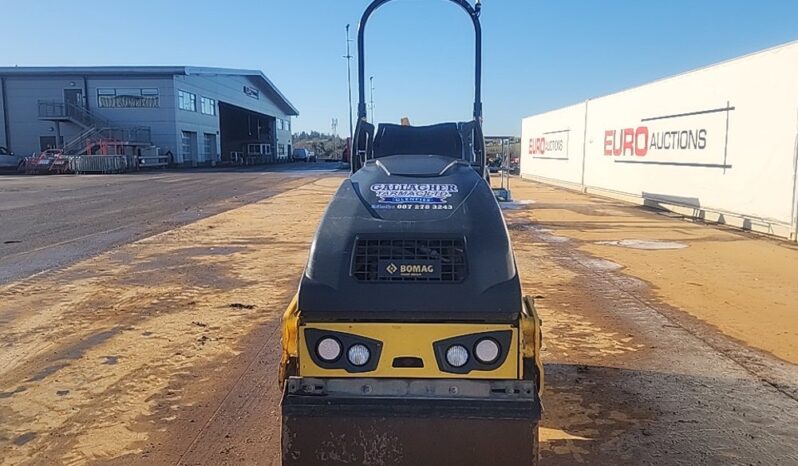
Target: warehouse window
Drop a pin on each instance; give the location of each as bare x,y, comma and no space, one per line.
186,101
208,106
128,98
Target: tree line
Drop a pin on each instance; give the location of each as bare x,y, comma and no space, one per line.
324,145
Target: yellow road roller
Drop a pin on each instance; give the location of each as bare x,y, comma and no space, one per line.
409,341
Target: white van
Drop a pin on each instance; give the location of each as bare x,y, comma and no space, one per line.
303,155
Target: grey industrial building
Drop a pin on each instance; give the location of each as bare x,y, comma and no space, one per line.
199,116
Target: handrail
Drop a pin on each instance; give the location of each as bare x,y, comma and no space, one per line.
473,12
60,109
95,127
136,134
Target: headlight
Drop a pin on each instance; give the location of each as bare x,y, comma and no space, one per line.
457,356
487,350
328,349
358,355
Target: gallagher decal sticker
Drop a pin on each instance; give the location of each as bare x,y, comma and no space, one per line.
430,194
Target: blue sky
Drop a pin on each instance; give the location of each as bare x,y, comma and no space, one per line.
539,55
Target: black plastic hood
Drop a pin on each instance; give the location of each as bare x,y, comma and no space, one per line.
412,238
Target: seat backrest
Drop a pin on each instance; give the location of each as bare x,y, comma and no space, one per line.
441,139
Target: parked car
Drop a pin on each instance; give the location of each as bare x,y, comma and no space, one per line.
303,155
9,161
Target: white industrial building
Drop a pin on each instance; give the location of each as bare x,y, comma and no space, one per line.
200,116
719,143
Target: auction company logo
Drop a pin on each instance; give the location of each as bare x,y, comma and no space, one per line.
552,144
639,141
539,146
697,138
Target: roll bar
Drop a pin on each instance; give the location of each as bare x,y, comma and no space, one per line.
472,11
362,144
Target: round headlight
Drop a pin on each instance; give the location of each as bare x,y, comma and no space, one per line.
457,356
358,355
328,349
487,350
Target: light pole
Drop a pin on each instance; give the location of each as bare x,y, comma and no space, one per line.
348,57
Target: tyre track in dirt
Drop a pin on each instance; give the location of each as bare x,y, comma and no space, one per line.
105,359
160,369
672,394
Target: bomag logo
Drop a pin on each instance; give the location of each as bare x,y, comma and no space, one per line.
416,269
409,268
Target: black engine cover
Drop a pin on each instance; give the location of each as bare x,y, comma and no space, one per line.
412,238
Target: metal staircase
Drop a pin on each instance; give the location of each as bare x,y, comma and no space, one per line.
95,129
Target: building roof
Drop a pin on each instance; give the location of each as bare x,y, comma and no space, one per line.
149,70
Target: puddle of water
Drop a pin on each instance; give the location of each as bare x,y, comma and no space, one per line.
554,238
77,351
514,205
47,372
649,245
19,389
24,438
601,264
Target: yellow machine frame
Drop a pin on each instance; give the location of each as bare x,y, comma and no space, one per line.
414,339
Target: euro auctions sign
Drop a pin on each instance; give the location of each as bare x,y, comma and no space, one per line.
550,145
638,141
697,138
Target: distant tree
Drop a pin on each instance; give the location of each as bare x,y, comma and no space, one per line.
323,144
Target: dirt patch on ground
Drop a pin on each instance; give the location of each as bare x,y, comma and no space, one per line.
165,351
743,285
628,381
96,358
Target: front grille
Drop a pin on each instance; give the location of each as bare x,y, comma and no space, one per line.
449,253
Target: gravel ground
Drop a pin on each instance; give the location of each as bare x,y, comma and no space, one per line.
52,221
164,350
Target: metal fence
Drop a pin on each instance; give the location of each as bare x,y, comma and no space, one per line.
100,163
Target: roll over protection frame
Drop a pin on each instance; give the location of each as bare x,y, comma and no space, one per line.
472,11
364,132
